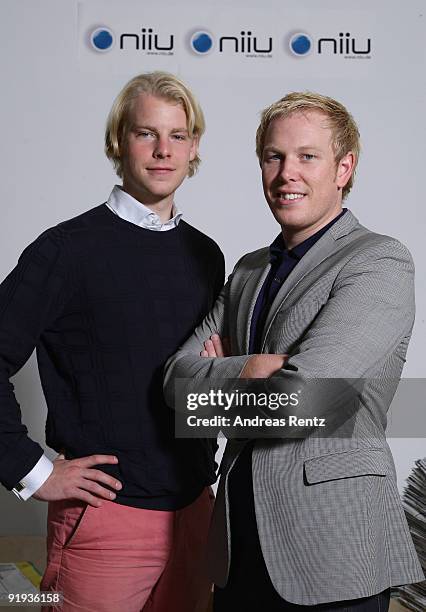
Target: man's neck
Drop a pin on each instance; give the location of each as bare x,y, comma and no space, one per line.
161,207
292,239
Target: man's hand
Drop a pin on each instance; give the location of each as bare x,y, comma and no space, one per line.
216,347
263,366
75,479
258,366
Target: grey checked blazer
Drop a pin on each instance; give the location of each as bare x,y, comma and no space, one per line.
328,512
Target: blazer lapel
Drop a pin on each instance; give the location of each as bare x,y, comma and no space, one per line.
248,299
322,249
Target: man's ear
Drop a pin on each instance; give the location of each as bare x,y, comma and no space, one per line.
345,169
194,148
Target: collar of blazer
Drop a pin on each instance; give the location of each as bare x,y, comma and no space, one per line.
326,246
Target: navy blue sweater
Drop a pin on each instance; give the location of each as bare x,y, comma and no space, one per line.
105,303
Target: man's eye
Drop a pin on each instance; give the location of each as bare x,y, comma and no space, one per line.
308,156
179,136
272,157
144,134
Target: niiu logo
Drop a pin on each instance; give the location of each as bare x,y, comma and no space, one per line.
102,39
301,44
345,44
202,42
147,40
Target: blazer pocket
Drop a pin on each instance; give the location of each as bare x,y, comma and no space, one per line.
347,464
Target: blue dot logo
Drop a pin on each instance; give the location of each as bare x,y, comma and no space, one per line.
102,39
201,42
300,44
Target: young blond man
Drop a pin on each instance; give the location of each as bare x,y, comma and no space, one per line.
314,522
106,298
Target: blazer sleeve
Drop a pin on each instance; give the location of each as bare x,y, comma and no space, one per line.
369,311
367,317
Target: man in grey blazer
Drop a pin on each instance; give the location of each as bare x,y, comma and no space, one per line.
314,521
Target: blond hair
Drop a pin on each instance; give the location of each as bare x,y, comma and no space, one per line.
163,85
345,133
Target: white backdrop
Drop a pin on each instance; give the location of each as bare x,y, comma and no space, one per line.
57,90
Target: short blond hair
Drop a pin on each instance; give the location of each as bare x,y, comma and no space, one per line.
163,85
345,133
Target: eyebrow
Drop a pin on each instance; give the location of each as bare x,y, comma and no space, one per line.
153,129
277,149
309,148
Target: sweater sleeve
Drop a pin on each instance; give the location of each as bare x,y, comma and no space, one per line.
31,298
187,365
219,278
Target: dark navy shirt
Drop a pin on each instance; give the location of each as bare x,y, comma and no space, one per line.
282,261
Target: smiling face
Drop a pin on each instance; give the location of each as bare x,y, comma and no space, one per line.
156,150
301,181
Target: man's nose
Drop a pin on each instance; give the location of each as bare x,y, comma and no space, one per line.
288,170
162,148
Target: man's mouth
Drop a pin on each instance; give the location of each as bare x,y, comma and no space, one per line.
160,169
290,197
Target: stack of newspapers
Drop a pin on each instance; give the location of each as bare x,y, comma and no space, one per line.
413,596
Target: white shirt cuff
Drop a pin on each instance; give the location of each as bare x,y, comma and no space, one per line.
34,479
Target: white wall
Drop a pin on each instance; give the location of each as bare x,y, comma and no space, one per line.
56,93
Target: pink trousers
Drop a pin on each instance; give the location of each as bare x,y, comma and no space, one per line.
121,559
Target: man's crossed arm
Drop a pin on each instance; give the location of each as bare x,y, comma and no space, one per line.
257,366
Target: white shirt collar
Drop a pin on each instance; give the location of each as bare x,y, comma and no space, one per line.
130,209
